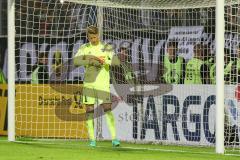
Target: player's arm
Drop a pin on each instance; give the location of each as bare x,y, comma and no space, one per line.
82,60
79,59
111,58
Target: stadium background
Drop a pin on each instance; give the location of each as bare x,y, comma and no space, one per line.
150,46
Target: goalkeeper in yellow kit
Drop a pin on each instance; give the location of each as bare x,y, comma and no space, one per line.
97,57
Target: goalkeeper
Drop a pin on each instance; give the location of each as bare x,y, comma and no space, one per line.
97,57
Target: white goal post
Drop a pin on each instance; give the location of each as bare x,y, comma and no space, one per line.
11,70
131,9
220,76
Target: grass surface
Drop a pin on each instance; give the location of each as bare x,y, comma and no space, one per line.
78,150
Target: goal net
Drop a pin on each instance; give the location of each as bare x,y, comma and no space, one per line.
231,58
163,91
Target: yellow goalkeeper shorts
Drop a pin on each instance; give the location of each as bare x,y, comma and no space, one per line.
92,95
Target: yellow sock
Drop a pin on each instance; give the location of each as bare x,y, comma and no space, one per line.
111,124
90,126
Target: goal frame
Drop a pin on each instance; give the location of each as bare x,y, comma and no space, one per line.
11,70
219,114
219,74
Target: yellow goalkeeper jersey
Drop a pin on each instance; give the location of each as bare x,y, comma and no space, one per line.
97,77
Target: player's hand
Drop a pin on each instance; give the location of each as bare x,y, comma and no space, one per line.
100,59
94,62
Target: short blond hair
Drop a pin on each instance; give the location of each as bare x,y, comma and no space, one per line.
92,30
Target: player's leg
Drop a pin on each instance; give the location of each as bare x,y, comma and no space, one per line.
110,119
110,122
88,101
90,124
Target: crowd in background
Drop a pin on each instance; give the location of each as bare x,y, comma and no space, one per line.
39,17
51,18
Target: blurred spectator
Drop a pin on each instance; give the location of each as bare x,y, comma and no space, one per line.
123,74
228,67
209,59
197,72
174,65
57,63
2,76
40,73
236,67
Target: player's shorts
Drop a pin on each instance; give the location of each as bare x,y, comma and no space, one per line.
92,96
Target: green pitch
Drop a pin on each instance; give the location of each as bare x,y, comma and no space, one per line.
78,150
